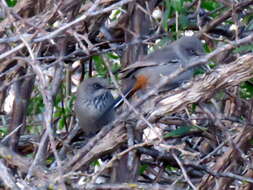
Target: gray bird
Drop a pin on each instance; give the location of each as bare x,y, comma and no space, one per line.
146,73
93,106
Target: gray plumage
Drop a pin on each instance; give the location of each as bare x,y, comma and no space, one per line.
165,61
93,105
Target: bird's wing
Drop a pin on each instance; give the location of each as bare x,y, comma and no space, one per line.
131,68
126,72
167,55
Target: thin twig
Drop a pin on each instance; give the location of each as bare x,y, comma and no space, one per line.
183,171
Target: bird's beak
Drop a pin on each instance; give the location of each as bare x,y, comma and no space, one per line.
201,53
110,87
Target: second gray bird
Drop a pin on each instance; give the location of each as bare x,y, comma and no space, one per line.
146,73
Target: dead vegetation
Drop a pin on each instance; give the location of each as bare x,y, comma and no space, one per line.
202,130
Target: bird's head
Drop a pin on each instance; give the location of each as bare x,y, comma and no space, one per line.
190,47
93,87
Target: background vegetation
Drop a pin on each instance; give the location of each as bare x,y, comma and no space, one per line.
195,137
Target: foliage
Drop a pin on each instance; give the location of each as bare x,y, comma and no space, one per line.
59,43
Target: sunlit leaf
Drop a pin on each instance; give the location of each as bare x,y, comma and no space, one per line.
113,56
3,131
171,168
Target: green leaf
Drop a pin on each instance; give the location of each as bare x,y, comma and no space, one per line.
100,65
248,20
58,113
95,163
69,105
11,3
181,131
3,131
183,21
115,62
177,5
166,15
61,122
143,168
194,106
36,105
198,71
244,48
172,6
170,168
34,129
50,160
115,67
212,65
98,59
209,5
251,141
115,14
246,90
207,49
113,56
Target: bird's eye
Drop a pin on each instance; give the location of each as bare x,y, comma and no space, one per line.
193,52
97,86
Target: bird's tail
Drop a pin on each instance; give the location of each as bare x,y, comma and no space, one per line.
133,86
